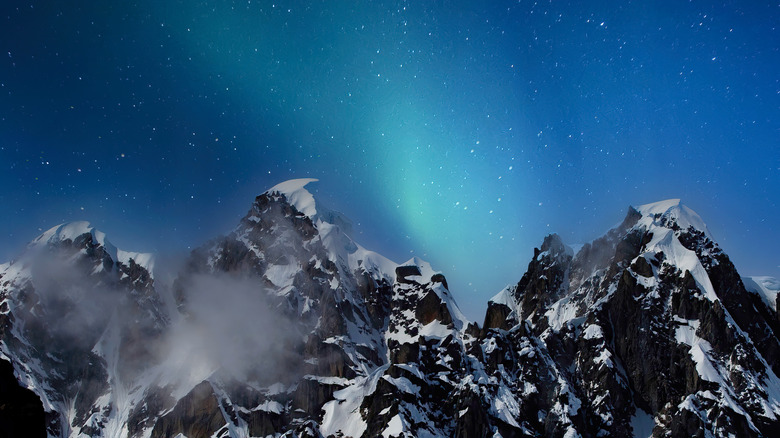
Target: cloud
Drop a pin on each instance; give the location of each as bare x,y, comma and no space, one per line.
233,327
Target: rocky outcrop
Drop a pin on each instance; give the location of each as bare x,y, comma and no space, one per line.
402,274
196,415
545,280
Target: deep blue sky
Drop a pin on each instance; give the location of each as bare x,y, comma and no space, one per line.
460,132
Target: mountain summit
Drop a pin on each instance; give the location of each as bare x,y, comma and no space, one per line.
287,327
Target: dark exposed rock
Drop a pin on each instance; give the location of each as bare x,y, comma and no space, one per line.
431,308
311,395
544,281
641,267
145,414
473,421
264,423
21,411
327,359
439,278
496,316
402,272
197,415
403,353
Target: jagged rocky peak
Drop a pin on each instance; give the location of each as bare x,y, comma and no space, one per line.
62,262
650,327
420,287
545,280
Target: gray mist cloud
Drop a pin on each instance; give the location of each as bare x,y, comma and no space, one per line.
232,328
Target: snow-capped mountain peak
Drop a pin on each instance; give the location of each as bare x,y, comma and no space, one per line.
297,195
670,212
71,231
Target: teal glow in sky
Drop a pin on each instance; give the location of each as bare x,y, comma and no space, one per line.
462,133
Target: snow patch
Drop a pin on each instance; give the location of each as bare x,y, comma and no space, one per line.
282,275
343,413
270,406
642,424
665,240
560,313
395,427
593,331
504,297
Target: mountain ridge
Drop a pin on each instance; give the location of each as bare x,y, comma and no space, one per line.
647,327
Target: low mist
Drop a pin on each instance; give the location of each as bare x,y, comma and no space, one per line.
231,327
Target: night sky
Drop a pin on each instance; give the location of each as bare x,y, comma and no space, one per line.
460,132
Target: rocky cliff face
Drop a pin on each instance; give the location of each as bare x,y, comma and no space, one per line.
652,327
288,327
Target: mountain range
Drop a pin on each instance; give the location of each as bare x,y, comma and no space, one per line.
288,327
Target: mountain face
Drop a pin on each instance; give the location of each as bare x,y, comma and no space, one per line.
288,327
78,318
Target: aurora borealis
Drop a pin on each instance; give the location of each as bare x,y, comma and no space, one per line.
460,132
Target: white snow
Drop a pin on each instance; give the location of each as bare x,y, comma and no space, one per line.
672,209
766,287
343,413
642,424
270,406
700,352
395,427
593,331
403,384
560,313
282,275
504,297
666,241
297,195
426,271
435,329
341,248
605,358
458,318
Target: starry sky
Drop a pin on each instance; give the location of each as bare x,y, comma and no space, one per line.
459,132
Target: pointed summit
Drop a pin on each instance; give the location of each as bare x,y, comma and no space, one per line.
670,212
297,195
